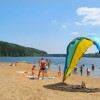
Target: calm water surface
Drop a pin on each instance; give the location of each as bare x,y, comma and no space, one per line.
56,61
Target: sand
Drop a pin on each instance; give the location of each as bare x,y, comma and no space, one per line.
15,86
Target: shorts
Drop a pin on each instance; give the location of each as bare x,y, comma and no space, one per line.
46,68
43,68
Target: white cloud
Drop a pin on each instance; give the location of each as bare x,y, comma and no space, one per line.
74,33
91,16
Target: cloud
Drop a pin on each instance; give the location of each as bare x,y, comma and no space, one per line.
91,16
74,33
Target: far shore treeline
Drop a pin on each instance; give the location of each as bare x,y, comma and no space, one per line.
14,50
97,55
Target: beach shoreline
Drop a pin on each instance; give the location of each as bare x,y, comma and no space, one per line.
15,86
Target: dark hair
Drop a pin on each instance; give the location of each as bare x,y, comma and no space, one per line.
33,65
41,58
83,65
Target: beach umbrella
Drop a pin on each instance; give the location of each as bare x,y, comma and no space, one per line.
76,49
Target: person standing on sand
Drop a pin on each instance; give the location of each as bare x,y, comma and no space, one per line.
33,70
47,67
42,65
48,63
59,72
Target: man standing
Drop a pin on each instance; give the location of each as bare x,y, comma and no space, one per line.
42,65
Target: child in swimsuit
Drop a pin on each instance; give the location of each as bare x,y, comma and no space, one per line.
33,70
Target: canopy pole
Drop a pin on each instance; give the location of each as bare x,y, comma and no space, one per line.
64,78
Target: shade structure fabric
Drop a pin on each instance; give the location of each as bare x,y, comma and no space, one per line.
76,49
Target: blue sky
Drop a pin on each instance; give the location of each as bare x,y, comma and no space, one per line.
48,25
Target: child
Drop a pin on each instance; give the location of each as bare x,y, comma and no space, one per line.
59,72
88,71
33,70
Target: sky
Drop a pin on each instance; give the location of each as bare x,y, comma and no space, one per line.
48,25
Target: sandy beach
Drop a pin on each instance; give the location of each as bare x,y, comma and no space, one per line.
15,86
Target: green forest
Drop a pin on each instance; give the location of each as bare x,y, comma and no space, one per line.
14,50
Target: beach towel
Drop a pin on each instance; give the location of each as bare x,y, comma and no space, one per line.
33,77
36,77
75,89
22,72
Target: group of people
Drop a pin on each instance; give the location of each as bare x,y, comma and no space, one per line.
44,66
13,64
82,67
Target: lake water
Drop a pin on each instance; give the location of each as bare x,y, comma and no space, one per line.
56,61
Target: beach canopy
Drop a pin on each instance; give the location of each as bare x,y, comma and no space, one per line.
76,49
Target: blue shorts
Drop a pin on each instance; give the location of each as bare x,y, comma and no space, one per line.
46,68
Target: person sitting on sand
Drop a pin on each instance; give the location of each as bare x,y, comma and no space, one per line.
10,64
82,86
33,70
